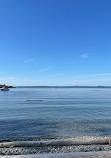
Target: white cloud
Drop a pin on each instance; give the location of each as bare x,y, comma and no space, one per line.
56,75
93,82
29,60
103,74
85,55
7,80
44,69
93,79
95,75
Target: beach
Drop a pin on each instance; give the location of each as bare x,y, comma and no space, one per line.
55,146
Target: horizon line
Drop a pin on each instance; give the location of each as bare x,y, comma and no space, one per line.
69,86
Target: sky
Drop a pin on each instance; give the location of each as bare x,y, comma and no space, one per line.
55,42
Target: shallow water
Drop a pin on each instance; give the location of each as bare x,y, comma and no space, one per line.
63,112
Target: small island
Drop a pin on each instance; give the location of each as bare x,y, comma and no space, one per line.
1,86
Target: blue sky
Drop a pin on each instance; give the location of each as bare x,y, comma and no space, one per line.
55,42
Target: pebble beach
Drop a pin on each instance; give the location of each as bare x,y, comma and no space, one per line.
90,143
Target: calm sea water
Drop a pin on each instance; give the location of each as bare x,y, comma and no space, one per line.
63,112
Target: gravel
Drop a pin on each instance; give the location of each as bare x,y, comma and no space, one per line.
56,149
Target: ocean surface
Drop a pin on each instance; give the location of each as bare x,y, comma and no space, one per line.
63,112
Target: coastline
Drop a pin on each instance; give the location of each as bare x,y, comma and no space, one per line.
25,147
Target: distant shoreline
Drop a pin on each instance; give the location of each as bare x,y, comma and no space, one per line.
63,86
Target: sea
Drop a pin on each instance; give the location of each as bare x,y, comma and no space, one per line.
61,113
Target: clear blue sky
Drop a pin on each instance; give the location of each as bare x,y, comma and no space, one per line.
55,42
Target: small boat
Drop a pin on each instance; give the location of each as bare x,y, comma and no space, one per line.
4,88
